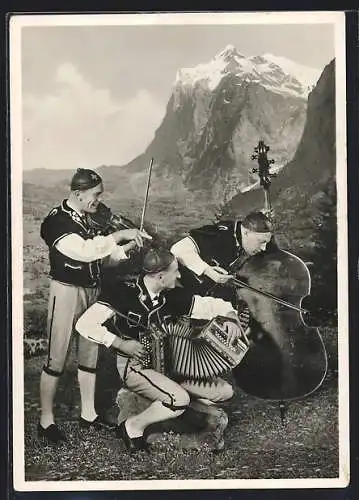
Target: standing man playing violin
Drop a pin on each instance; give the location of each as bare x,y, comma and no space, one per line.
210,253
76,252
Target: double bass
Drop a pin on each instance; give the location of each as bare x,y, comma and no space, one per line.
287,359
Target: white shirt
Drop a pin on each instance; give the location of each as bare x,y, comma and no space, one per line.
90,324
187,254
77,248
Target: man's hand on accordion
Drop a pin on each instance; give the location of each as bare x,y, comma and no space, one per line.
234,331
132,348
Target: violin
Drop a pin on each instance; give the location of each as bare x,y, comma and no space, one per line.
288,358
106,222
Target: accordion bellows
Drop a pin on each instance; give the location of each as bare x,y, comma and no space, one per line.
180,351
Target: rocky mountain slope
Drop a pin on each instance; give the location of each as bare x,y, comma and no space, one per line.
217,112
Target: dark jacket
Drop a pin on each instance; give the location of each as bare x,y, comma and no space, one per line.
134,311
60,222
219,245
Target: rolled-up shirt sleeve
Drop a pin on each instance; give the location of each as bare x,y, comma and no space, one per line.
210,307
90,324
187,254
77,248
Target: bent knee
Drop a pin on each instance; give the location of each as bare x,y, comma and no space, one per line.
180,399
226,392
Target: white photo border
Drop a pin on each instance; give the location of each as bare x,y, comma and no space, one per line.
17,22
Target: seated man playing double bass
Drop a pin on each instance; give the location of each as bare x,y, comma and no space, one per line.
209,254
123,312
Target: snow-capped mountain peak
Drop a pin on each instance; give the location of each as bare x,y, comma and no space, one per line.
277,74
307,75
228,49
228,53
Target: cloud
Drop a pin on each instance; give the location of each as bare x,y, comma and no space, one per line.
80,125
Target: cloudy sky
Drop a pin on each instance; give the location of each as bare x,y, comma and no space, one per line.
95,95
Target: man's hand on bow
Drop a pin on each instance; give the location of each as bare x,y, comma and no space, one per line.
217,274
269,213
134,236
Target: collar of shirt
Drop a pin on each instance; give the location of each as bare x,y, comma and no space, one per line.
69,204
153,296
237,233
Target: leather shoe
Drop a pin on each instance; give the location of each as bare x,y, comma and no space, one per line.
99,423
132,444
52,433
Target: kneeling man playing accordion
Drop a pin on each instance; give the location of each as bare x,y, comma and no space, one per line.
159,356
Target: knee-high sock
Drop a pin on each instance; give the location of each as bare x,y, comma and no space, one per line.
156,412
48,386
87,381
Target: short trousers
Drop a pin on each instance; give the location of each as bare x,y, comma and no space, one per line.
156,386
66,304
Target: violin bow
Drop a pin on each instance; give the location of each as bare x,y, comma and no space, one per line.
146,195
268,295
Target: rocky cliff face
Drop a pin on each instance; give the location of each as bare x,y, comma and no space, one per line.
314,162
221,157
217,113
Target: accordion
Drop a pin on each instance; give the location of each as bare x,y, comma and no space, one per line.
182,351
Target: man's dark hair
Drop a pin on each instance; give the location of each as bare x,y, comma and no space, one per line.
156,260
258,222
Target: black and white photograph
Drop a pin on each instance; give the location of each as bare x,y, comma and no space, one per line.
179,251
